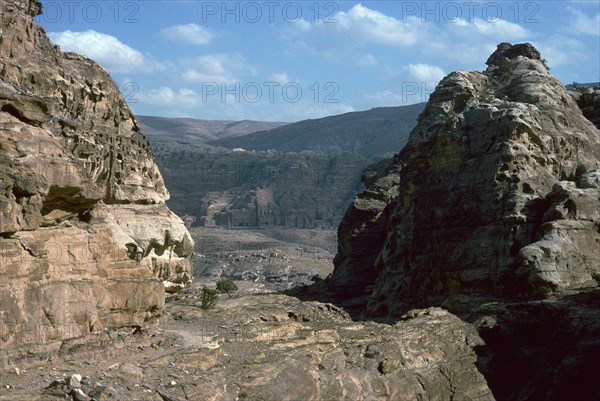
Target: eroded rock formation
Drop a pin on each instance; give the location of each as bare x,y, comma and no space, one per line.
491,211
587,97
86,240
496,192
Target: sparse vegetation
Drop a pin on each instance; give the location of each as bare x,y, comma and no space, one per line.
505,66
208,298
545,62
580,171
226,286
546,289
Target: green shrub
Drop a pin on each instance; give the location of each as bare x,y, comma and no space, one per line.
226,286
580,171
208,298
505,66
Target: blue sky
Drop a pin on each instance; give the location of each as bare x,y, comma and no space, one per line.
287,61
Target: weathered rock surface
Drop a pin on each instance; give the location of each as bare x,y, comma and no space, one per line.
536,349
86,239
490,193
363,230
587,97
271,347
495,216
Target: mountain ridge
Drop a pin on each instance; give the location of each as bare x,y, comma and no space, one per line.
352,132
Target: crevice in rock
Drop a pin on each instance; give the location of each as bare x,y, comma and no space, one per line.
542,351
13,111
68,199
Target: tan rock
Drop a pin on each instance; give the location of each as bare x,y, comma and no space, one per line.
86,240
475,209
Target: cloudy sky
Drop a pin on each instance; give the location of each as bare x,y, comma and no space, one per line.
287,61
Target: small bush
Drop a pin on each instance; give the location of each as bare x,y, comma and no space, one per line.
545,63
208,298
505,66
580,171
226,286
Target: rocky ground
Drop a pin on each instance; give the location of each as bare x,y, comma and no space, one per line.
260,347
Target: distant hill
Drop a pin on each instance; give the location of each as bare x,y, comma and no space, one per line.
372,134
202,130
302,175
585,85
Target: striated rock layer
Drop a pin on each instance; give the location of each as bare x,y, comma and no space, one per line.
496,192
86,240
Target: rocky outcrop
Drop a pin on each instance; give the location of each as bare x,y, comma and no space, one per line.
361,231
494,214
312,351
538,349
86,240
496,193
268,347
587,97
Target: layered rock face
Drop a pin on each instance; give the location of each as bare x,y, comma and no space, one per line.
496,191
86,240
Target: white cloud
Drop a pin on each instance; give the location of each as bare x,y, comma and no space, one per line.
189,33
106,50
561,50
582,23
360,28
495,29
362,25
167,97
410,84
280,77
372,26
425,73
221,67
368,60
469,43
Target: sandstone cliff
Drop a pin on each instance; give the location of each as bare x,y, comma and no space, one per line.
86,240
491,211
497,191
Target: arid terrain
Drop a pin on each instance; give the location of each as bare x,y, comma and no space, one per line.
265,260
468,267
259,347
